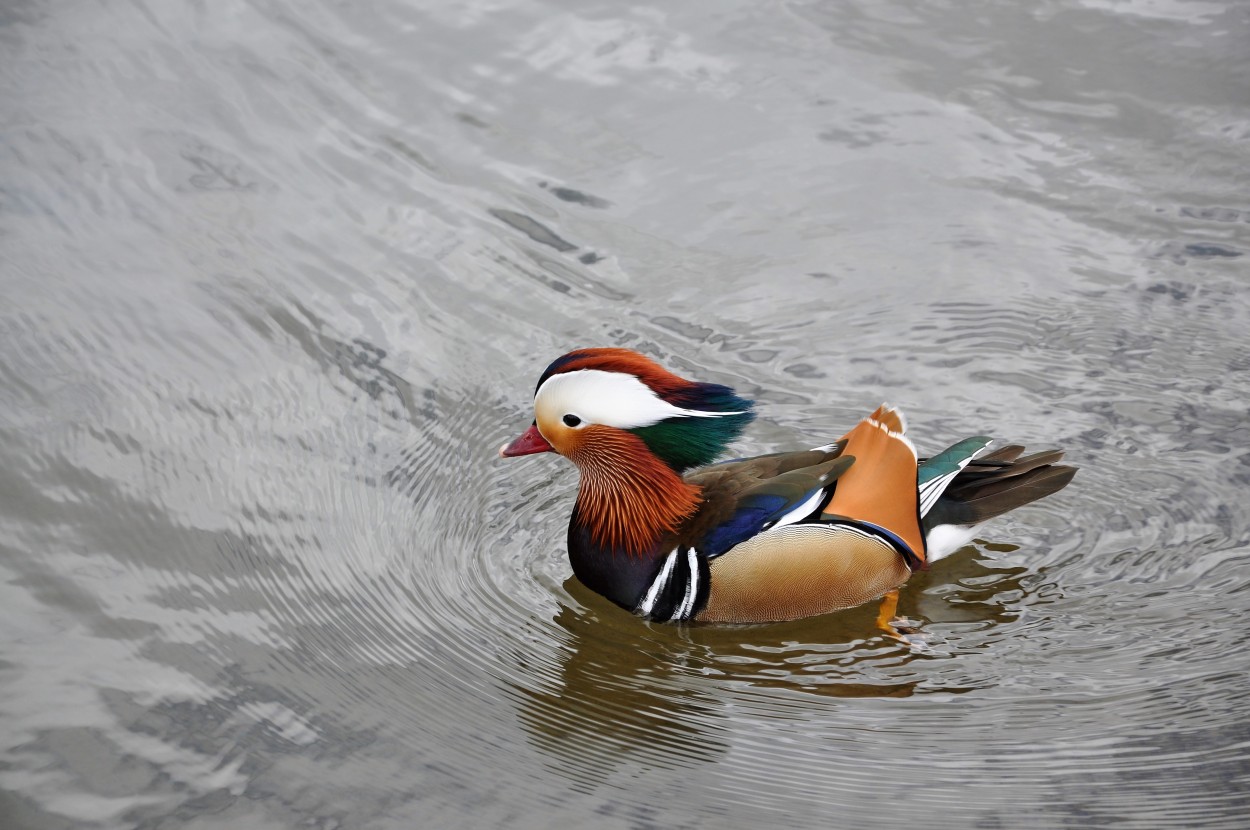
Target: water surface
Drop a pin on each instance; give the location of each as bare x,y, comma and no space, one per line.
277,280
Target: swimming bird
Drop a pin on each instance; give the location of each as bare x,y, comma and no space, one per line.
662,531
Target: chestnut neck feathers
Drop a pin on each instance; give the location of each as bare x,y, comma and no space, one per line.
632,428
628,498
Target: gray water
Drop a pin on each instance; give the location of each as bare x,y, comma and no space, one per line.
278,278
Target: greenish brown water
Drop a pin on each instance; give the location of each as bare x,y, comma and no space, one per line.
277,279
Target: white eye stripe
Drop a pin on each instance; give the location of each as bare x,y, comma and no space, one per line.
612,398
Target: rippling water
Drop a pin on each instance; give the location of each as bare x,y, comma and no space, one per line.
278,279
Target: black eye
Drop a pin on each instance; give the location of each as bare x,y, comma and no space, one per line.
571,420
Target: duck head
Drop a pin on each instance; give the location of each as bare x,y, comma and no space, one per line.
631,427
591,403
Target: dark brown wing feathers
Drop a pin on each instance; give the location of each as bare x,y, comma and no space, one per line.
999,482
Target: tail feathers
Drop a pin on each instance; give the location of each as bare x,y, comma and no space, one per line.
935,474
1002,455
998,483
1006,462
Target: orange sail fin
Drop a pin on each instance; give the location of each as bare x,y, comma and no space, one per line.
880,487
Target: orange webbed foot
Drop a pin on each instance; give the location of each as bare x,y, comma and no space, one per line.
895,627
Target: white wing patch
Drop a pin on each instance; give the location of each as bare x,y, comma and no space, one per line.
616,399
933,489
802,511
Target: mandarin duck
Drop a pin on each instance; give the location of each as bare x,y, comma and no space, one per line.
663,532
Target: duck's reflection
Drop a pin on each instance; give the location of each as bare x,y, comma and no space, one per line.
623,691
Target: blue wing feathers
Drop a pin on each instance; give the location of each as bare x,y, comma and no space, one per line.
752,514
786,498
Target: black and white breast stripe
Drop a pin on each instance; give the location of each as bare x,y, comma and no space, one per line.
680,588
